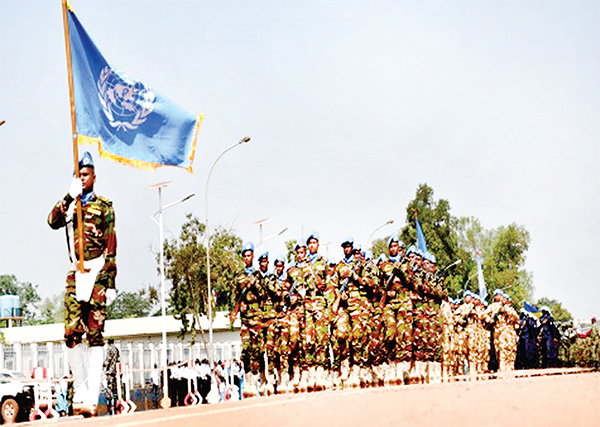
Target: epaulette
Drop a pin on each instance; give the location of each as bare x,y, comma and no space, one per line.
104,200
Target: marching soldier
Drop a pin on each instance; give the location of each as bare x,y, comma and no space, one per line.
505,321
249,299
89,293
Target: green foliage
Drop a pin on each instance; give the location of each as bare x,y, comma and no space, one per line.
134,304
291,253
379,246
559,313
185,267
451,239
9,285
441,238
52,309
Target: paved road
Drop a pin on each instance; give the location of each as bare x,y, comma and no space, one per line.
559,400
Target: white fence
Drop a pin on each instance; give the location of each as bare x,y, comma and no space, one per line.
139,355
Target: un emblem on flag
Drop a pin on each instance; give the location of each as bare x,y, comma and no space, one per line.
126,102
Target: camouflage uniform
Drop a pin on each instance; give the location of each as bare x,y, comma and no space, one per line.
397,310
293,318
99,239
250,298
505,320
356,306
317,303
467,319
449,342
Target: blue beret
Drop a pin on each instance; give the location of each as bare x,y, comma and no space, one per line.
313,235
393,238
248,247
349,240
86,160
265,255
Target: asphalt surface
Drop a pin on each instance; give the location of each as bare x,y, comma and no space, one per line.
556,400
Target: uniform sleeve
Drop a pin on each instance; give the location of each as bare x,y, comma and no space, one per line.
110,253
57,219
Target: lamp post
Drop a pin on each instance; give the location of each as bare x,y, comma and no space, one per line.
458,261
260,223
374,231
207,232
165,401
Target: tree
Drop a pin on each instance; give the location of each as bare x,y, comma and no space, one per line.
438,227
559,313
134,304
185,259
9,285
52,309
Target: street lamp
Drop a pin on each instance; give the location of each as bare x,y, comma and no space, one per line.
458,261
161,208
374,231
207,232
260,223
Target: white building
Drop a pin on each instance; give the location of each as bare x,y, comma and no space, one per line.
138,340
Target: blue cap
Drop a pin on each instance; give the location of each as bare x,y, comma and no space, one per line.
432,258
248,246
358,248
381,258
279,258
86,161
265,255
313,235
411,249
349,240
299,244
498,291
393,238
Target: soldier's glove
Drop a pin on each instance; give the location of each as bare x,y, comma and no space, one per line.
111,296
76,188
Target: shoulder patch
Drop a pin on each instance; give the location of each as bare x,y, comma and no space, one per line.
110,217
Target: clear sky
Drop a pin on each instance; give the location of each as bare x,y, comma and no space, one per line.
350,105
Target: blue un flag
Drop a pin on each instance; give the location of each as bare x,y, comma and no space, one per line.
130,122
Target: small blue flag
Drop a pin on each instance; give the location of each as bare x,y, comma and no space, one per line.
530,307
421,244
131,123
482,287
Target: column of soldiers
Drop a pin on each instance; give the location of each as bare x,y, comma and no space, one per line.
360,322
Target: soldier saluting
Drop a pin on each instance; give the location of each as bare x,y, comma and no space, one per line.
89,292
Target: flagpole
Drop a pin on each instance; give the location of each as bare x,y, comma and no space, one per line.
73,133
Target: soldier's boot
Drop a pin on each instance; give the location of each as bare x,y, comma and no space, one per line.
285,382
295,382
77,365
304,380
311,379
250,385
363,377
320,378
435,372
95,368
354,377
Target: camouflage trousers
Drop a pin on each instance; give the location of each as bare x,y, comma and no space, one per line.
85,317
290,328
360,332
253,345
397,322
340,337
427,331
316,339
377,350
506,340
